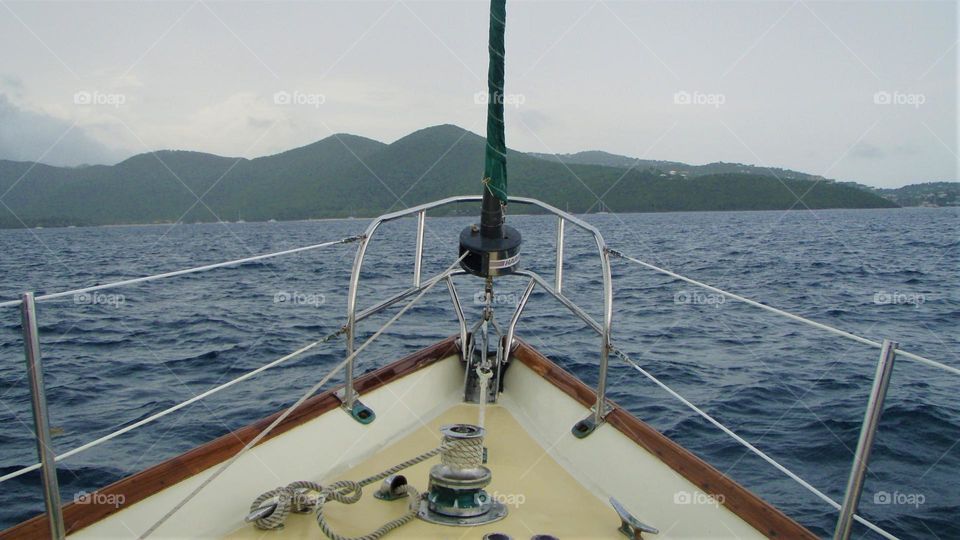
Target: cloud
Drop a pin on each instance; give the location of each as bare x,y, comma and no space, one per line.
259,123
871,151
11,84
33,136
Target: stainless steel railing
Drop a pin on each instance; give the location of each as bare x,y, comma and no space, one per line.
349,396
868,431
48,460
41,420
31,338
888,352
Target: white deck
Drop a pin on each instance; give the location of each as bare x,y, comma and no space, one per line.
557,484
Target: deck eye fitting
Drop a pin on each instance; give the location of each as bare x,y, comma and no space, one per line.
584,427
588,425
357,410
362,413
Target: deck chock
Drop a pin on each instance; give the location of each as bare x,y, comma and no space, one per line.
392,488
630,526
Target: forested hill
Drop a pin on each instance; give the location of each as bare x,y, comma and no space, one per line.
675,168
347,175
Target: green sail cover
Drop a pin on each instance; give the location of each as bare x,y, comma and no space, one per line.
495,162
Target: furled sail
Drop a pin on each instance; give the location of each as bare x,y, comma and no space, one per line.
495,162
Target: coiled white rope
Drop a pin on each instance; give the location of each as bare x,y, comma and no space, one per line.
460,454
283,416
299,496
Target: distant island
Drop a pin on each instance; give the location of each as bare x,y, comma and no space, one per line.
351,176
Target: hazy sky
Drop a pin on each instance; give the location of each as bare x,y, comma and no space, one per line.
863,91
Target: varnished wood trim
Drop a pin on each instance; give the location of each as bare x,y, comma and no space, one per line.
141,485
752,509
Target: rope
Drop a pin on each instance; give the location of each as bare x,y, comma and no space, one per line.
283,416
462,453
296,496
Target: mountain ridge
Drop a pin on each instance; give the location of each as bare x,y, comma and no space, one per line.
929,194
348,175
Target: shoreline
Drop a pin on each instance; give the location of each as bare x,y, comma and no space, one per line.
366,218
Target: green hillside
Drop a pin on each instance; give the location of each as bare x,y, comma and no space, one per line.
930,194
347,175
676,168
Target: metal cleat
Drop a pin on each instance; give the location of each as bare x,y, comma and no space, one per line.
630,526
266,510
